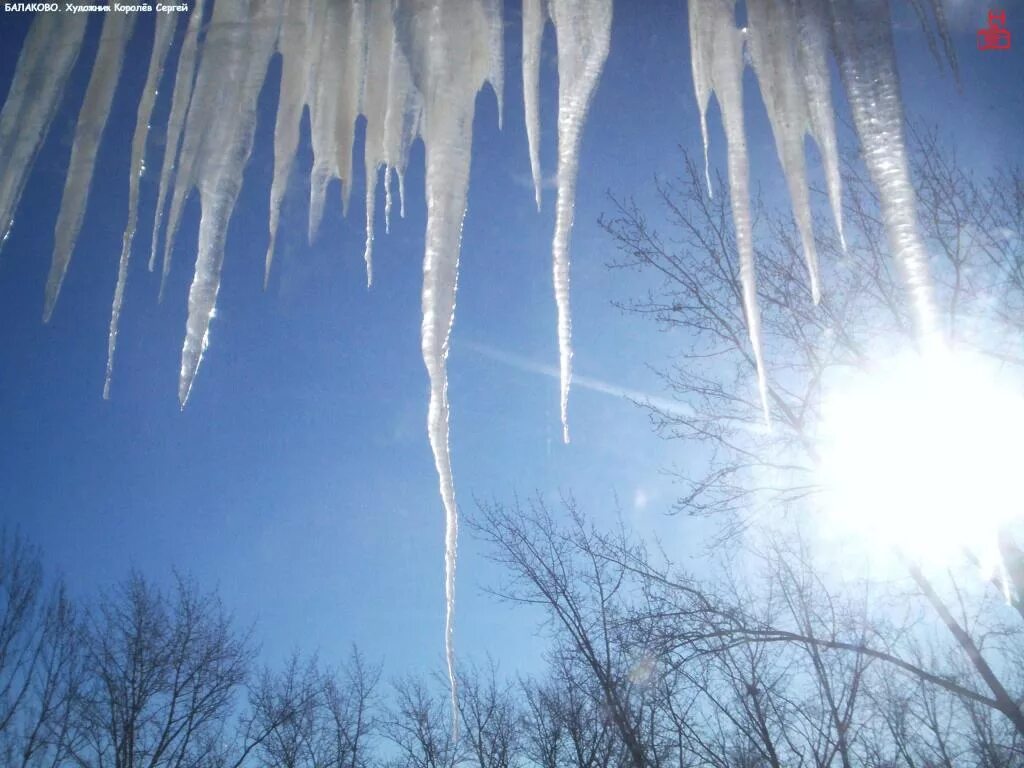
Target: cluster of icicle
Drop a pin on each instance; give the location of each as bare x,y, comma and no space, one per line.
413,68
787,43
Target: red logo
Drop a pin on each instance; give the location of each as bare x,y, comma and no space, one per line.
994,37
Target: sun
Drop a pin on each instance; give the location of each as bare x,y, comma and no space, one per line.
923,453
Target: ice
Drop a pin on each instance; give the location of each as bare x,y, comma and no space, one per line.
336,96
811,45
413,69
863,41
534,18
390,105
218,135
180,100
92,119
773,48
716,48
162,36
49,53
448,44
583,32
294,44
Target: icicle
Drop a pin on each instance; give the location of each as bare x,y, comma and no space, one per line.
496,53
220,126
583,32
812,41
863,40
180,100
92,119
335,105
447,43
294,45
49,53
717,51
391,108
771,29
162,36
534,17
380,36
701,28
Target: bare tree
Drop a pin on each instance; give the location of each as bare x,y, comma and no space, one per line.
162,675
972,229
419,725
564,723
352,717
40,661
489,717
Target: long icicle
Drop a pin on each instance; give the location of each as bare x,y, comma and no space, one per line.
534,18
294,44
163,34
50,51
863,38
717,51
771,30
235,60
583,31
182,94
447,43
117,28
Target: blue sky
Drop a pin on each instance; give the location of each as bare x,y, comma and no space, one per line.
299,480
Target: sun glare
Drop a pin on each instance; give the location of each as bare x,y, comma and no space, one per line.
923,453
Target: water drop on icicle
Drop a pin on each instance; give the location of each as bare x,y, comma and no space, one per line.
162,36
47,57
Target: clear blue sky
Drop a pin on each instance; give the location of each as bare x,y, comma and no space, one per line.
299,480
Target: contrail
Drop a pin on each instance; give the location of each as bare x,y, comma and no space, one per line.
665,405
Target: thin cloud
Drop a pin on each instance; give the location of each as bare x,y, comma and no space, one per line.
589,383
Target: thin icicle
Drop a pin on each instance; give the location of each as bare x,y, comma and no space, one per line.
812,36
380,37
391,107
771,28
238,48
162,36
534,18
294,45
46,60
863,40
184,81
92,119
717,51
447,44
496,53
701,64
583,31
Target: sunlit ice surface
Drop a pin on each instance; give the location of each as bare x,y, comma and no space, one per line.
921,454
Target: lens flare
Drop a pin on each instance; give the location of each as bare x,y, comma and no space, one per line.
923,453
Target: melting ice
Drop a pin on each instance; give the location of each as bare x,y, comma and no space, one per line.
413,68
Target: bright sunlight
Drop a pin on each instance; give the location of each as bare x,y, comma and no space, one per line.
922,453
